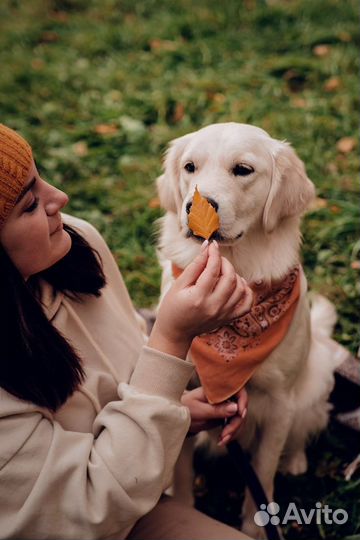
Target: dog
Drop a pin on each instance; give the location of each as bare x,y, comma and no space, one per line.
260,189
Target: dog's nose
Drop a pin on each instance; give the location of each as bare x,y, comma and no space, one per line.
213,203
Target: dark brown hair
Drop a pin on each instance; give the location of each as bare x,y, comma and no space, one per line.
37,363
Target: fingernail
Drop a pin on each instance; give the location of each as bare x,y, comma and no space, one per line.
244,413
231,408
216,244
224,440
204,245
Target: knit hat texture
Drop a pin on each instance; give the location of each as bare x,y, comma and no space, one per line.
15,163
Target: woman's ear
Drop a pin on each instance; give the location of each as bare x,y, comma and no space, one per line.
291,190
168,183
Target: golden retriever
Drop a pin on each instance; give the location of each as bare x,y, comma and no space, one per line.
260,189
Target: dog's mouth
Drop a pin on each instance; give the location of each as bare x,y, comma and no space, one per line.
215,236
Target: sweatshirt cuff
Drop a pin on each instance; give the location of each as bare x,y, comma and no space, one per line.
161,374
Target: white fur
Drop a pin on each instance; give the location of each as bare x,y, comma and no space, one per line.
288,393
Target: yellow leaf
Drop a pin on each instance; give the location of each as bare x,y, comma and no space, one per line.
203,219
346,144
332,84
154,203
106,129
321,50
81,149
317,204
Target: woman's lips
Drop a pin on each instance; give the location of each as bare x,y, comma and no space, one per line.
58,228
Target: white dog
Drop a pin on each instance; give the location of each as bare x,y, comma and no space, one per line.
259,188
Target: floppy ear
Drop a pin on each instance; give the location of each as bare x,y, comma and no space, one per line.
168,183
291,190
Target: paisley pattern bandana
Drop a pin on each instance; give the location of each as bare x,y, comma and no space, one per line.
226,358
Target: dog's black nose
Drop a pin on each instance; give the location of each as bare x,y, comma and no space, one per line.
213,203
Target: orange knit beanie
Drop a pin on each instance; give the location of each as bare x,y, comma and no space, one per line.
15,163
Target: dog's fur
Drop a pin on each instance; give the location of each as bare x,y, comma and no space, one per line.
260,235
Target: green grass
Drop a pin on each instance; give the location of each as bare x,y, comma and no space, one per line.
150,71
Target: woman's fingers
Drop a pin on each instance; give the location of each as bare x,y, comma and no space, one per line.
191,273
244,304
209,277
230,430
242,400
226,284
233,425
237,294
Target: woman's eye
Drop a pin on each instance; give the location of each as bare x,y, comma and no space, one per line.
242,170
189,167
33,205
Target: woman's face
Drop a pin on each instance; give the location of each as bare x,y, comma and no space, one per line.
33,234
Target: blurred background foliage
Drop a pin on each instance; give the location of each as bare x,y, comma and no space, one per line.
100,87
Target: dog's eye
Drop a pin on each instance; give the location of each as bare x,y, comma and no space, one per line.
189,167
242,170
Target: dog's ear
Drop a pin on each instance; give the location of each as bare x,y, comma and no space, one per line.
291,190
168,183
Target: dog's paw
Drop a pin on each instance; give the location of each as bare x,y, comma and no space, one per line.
296,464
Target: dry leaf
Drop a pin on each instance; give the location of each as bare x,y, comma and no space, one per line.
346,144
106,129
163,44
154,203
317,204
332,84
203,219
81,149
49,37
299,103
179,112
321,50
345,36
37,64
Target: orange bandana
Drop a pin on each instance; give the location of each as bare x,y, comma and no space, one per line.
226,358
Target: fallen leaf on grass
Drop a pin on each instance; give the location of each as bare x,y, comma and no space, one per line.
81,149
318,203
154,203
163,44
106,129
49,37
332,84
321,50
37,64
346,144
298,103
203,219
179,112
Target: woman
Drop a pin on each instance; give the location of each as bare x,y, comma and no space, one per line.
91,418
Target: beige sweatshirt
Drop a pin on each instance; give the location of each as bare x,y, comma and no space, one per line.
103,460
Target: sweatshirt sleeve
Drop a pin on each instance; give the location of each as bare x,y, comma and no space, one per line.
65,484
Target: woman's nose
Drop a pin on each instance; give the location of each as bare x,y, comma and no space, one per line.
56,201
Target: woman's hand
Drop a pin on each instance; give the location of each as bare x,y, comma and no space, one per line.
205,296
205,416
